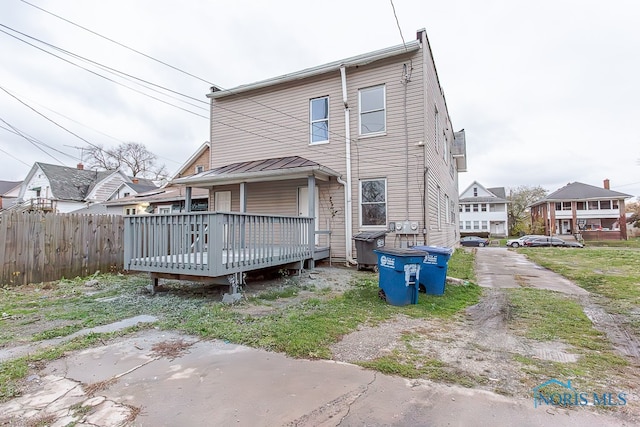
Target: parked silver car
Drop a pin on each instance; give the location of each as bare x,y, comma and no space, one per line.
515,243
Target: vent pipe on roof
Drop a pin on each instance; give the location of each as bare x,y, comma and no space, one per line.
606,184
80,166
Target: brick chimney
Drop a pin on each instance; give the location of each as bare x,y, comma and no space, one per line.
606,184
80,166
135,180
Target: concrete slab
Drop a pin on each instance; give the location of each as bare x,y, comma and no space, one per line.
216,383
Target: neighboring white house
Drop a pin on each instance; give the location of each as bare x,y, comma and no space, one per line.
63,189
484,210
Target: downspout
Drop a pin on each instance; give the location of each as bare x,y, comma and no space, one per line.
348,215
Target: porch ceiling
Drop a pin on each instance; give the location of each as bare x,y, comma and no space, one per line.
275,169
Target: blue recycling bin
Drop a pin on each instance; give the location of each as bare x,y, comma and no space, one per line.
433,270
399,270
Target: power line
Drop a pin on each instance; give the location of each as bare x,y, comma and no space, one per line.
118,43
398,24
306,122
33,141
100,75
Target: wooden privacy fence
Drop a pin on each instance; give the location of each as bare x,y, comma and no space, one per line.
37,247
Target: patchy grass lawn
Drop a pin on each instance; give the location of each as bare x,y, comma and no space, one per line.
544,315
610,272
306,327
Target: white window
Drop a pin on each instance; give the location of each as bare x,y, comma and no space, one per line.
467,225
476,225
485,225
373,202
614,204
164,209
372,110
319,119
483,207
467,208
199,169
453,212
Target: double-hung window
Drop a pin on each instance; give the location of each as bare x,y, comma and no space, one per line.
319,119
372,110
373,202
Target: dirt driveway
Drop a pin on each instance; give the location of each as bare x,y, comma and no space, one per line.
160,378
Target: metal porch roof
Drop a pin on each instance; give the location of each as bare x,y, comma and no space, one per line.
274,169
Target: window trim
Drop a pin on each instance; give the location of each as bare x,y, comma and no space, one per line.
383,109
386,204
311,121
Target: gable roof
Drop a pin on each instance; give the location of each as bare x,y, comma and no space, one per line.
499,195
260,170
70,183
580,191
498,191
7,186
204,147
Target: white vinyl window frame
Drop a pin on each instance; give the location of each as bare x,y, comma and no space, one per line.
319,120
367,204
377,111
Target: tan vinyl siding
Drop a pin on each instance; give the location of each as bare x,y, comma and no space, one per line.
274,122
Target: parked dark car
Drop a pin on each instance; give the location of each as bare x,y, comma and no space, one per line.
474,241
551,241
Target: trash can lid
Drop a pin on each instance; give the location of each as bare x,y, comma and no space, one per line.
399,251
435,250
369,235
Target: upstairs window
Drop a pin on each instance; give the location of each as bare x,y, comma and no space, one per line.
199,169
373,202
372,110
319,119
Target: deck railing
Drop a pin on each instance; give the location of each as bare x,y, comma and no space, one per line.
215,244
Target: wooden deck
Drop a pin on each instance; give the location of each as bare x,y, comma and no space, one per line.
211,245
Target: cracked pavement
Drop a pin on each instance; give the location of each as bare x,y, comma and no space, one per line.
132,382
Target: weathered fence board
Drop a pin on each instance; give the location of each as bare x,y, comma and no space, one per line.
37,247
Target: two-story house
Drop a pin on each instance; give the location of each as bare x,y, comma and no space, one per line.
366,143
596,213
61,189
483,211
301,163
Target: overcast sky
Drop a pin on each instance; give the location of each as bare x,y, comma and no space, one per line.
547,91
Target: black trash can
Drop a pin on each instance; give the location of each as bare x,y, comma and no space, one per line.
366,243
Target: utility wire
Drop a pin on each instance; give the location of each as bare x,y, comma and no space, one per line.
104,77
118,43
306,122
397,23
28,138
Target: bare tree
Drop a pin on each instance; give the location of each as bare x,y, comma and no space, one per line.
521,198
131,157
